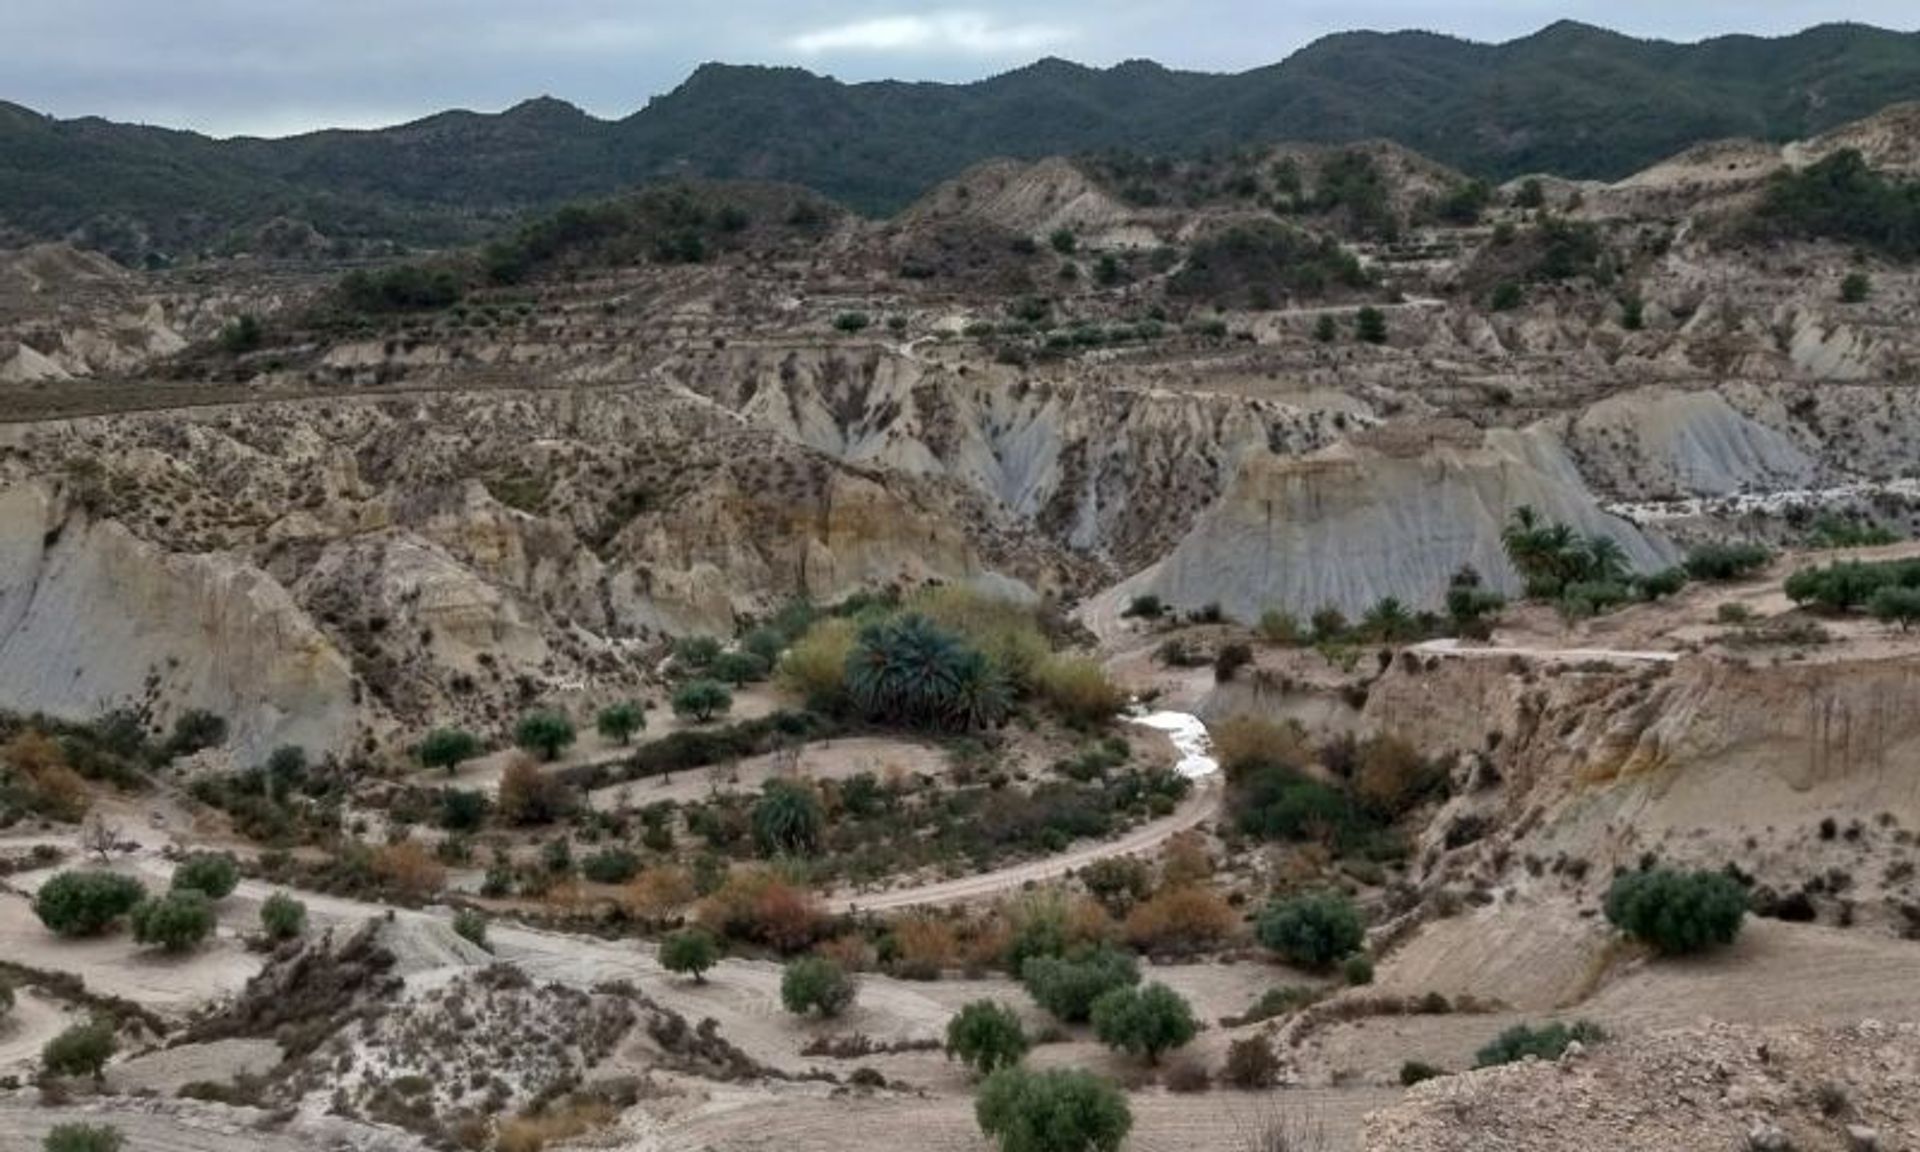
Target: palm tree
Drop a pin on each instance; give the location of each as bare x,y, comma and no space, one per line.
1606,561
1388,620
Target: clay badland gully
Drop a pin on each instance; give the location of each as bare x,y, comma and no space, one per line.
1357,604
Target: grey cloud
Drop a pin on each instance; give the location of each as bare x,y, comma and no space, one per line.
229,66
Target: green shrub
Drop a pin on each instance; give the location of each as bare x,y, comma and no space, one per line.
787,819
816,984
1059,1110
986,1036
1370,325
1855,288
82,1050
463,810
1522,1041
696,653
86,903
1251,1063
740,668
471,926
1414,1072
1678,913
544,733
1358,970
1731,561
618,722
282,917
83,1138
690,952
1313,931
1896,605
1067,986
1143,1021
176,922
215,873
448,748
852,321
610,866
701,700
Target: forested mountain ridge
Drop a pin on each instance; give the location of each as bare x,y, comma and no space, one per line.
1571,99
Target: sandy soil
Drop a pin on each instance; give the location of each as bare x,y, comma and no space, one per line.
34,1020
826,760
166,1070
117,966
157,1125
803,1118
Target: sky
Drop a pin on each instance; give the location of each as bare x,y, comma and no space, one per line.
277,67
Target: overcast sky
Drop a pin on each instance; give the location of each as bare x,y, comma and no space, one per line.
273,67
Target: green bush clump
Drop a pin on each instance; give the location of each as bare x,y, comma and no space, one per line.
82,1050
1058,1110
816,984
1731,561
986,1036
691,952
1067,986
215,873
282,917
83,1138
544,733
701,700
1850,584
610,866
1678,913
176,922
448,748
1314,931
86,903
1547,1043
1143,1021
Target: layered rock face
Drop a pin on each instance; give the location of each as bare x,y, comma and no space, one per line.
1351,525
92,618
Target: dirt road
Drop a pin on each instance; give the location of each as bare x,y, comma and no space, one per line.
1202,804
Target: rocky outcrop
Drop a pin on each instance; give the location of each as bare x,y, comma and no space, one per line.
1661,442
1715,1086
1351,525
92,618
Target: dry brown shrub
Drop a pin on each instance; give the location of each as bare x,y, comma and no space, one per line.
1078,689
408,867
530,796
659,892
38,760
1089,922
1390,774
983,944
926,946
1190,917
1185,859
1244,742
850,952
758,906
565,1122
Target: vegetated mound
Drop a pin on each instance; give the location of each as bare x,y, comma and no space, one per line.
1249,264
1351,525
1889,140
1720,1086
478,1045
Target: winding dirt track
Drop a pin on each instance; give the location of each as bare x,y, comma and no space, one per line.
1201,804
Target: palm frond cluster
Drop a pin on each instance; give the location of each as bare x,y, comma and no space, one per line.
906,670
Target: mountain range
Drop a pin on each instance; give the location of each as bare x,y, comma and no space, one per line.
1572,99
